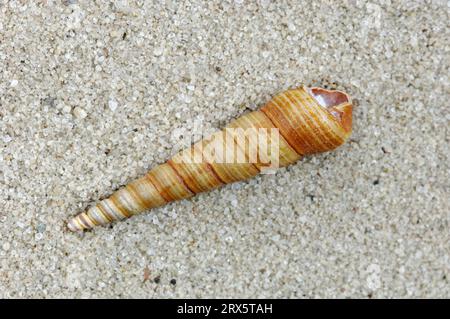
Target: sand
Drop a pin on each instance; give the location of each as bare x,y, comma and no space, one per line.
92,93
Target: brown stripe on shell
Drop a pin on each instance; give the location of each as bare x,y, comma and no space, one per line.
134,194
274,112
119,206
198,177
215,173
104,213
289,145
168,183
180,177
163,194
148,193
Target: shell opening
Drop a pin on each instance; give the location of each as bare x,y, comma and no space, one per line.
338,103
329,98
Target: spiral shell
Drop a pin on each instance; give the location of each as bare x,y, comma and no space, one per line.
308,120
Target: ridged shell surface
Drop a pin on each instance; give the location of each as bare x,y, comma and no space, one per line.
309,120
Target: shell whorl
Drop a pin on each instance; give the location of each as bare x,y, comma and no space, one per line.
309,120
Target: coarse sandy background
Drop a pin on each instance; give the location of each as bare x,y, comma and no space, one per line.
91,91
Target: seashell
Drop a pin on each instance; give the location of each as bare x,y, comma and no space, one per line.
301,121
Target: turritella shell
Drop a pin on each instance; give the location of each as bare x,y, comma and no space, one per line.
305,120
